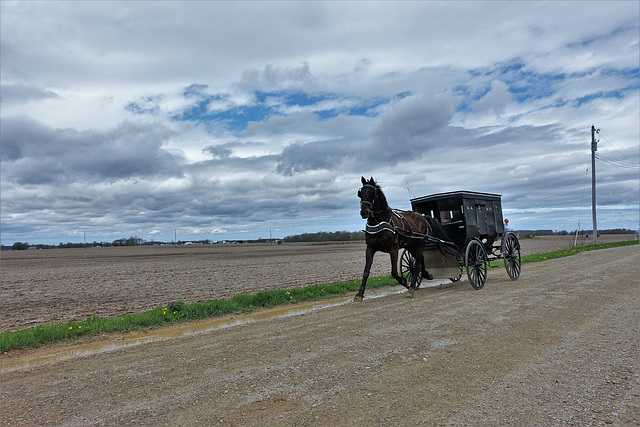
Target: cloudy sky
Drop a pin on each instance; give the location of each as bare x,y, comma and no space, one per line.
234,120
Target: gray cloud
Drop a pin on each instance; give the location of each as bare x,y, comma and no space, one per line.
219,152
496,99
276,78
20,93
297,157
405,130
408,129
33,153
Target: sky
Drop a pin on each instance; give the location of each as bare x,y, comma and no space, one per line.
245,120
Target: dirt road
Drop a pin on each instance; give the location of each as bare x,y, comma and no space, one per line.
558,347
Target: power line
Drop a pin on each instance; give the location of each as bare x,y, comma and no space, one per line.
620,163
614,147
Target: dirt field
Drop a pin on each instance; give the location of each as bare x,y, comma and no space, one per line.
560,346
61,285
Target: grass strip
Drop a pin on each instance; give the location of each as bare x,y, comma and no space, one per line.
566,252
177,311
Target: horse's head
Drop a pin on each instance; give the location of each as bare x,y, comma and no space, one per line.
367,195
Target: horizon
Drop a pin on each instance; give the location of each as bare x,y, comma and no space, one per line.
581,232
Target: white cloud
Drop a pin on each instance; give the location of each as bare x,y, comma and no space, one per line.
232,118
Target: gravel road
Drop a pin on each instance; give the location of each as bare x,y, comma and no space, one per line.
560,346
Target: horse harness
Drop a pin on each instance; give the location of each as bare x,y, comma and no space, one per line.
402,231
405,230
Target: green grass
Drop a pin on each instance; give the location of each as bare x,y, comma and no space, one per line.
566,252
177,311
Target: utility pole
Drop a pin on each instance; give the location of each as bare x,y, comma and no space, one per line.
594,148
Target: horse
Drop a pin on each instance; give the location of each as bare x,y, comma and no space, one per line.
388,230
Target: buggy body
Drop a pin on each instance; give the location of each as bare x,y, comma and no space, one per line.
464,215
474,225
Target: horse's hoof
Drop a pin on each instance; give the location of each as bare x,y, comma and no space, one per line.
357,298
410,293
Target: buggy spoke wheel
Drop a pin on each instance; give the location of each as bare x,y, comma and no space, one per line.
512,261
476,264
408,266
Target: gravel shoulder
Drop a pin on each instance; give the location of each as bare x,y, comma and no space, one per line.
560,346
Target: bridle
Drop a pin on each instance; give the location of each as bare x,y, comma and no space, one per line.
370,204
366,202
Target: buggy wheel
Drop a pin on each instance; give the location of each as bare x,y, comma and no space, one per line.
511,254
476,263
408,266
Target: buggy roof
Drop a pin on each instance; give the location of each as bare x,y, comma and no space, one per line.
456,194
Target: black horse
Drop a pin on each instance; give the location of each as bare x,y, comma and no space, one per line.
389,230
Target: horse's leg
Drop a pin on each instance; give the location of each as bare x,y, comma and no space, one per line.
393,254
418,267
365,275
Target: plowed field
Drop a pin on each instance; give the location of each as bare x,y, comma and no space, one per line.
61,285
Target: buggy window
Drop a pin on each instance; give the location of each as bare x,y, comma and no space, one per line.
450,211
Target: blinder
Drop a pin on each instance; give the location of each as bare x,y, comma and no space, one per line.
367,203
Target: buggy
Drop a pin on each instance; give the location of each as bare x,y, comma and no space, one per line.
473,223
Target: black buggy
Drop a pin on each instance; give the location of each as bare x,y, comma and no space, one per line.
473,223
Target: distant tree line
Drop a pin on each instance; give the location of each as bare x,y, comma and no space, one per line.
323,236
611,231
131,241
537,233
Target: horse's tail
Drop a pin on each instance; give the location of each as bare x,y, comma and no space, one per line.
446,248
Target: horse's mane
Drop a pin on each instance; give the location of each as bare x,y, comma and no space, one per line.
381,195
